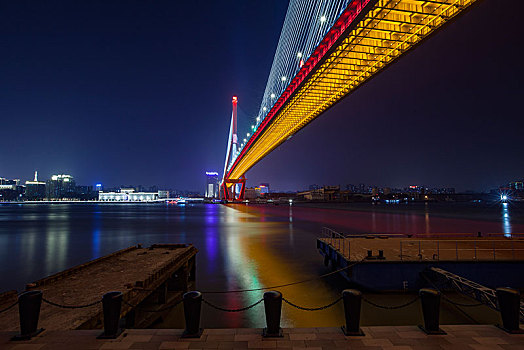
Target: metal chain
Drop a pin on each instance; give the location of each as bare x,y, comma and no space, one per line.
9,307
71,306
232,310
149,310
312,308
390,307
284,285
460,304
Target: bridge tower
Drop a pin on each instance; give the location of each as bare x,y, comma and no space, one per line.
229,187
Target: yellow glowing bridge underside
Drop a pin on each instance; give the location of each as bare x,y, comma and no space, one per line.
387,31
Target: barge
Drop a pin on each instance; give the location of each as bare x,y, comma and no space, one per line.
395,262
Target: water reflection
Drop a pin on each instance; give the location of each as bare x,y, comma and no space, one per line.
506,223
240,247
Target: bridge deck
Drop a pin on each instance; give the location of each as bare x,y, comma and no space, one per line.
367,37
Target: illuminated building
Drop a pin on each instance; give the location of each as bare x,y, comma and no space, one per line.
10,190
129,195
35,190
61,187
212,184
517,185
264,188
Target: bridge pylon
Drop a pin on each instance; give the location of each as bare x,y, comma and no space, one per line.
228,187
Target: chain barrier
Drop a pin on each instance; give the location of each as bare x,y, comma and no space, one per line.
312,308
149,310
9,307
283,285
70,306
232,310
390,307
459,304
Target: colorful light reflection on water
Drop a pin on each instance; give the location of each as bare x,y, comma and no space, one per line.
240,247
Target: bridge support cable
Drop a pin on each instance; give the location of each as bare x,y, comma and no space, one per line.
366,36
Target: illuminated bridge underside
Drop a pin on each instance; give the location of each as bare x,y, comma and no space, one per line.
385,32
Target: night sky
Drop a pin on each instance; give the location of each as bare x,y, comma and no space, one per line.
138,92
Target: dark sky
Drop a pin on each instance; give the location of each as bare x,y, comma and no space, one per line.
140,93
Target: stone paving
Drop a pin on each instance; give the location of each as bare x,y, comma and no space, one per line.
459,337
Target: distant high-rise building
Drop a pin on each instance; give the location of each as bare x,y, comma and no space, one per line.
35,190
264,188
211,184
61,186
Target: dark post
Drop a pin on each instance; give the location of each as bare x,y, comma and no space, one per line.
381,255
430,300
352,299
192,306
162,293
370,254
273,308
29,311
111,304
509,305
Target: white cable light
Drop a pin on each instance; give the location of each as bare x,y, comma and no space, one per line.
305,25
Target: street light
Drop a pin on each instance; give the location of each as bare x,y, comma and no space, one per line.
323,19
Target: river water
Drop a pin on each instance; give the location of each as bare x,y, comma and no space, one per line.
240,247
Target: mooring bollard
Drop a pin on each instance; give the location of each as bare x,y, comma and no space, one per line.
273,309
430,301
192,307
352,299
29,311
111,304
509,305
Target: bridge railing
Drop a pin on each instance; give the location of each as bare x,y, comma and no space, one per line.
337,240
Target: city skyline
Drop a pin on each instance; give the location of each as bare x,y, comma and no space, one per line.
37,179
84,100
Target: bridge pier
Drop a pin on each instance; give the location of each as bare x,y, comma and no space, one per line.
228,190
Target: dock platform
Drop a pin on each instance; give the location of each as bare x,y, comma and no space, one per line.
152,277
394,262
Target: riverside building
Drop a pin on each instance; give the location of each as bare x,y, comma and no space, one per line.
129,195
35,190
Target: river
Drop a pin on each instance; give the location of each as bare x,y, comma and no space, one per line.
240,247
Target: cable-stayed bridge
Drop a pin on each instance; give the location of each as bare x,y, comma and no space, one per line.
327,49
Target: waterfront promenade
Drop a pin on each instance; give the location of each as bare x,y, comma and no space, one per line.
459,337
